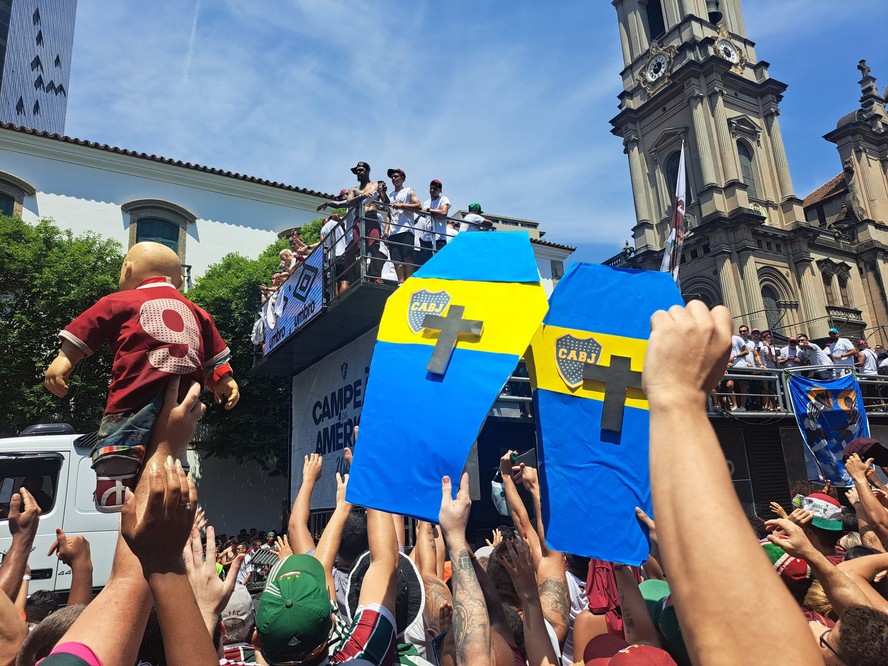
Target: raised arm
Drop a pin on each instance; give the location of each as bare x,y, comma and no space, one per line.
637,624
13,630
328,544
23,528
471,624
300,537
875,513
724,621
74,552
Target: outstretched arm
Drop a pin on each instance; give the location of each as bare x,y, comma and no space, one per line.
711,608
297,527
328,544
471,624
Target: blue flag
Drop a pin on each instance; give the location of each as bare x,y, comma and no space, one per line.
592,416
449,339
830,414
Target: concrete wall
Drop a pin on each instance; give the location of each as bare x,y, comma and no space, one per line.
237,495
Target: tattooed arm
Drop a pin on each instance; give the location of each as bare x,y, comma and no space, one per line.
471,625
637,624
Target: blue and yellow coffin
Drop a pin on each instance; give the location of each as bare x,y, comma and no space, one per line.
449,339
592,415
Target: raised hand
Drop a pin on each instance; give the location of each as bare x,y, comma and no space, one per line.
648,522
200,520
341,487
800,517
527,476
853,497
790,537
857,468
211,592
496,537
71,550
518,562
778,510
283,547
312,466
157,525
23,521
454,513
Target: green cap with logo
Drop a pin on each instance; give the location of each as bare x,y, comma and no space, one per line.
295,613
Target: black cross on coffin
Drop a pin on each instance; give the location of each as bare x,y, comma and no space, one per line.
451,327
617,377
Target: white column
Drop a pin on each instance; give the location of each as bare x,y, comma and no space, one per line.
752,289
624,35
728,287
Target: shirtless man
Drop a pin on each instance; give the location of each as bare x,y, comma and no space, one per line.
368,193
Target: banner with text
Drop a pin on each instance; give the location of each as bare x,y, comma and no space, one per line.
298,300
327,402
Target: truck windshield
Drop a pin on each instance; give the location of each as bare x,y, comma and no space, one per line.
39,474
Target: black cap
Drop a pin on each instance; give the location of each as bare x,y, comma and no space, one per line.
366,166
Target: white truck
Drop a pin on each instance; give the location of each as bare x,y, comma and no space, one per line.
53,463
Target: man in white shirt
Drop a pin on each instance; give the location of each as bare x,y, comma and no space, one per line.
790,356
841,350
741,357
334,239
867,363
473,220
434,234
402,232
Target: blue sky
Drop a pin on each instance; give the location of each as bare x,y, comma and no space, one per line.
506,102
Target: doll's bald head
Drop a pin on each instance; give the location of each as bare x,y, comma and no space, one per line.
146,260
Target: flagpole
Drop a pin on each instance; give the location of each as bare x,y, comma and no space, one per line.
672,249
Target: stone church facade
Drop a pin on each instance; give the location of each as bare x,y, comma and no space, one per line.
774,259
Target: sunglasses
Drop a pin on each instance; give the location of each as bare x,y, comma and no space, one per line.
825,643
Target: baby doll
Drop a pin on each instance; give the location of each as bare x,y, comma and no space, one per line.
154,332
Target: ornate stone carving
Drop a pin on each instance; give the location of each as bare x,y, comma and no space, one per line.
852,204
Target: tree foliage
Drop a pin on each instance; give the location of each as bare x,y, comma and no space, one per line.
258,427
48,276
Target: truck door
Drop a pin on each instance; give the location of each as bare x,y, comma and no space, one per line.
42,475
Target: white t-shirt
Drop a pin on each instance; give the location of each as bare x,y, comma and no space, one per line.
452,230
870,363
471,217
766,354
815,355
402,220
839,347
333,233
437,224
792,353
741,346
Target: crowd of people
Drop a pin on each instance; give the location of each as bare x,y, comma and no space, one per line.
806,587
756,354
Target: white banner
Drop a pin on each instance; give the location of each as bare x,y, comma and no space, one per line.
327,402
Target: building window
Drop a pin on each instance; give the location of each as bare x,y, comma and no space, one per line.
656,24
828,289
58,61
557,267
747,169
13,191
36,64
39,38
160,221
672,174
7,204
20,107
38,84
36,16
843,291
158,231
36,109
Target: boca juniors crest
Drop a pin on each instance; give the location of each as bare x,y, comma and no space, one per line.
571,354
424,303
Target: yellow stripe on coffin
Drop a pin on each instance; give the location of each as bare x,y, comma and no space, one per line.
559,353
510,312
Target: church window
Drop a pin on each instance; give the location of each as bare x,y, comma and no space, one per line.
13,191
656,24
772,310
747,168
672,173
828,289
843,291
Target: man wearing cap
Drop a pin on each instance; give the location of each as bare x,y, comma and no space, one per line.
866,363
741,357
811,354
434,235
295,616
473,221
402,232
238,621
841,350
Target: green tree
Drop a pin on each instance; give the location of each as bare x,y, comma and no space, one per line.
48,276
258,427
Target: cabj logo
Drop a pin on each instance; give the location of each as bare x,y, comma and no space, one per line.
424,303
571,354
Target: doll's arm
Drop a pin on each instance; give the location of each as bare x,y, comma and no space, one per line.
224,385
56,378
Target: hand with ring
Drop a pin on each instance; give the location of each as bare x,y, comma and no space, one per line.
156,525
